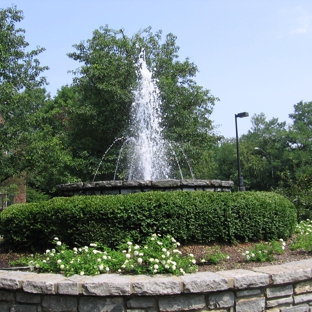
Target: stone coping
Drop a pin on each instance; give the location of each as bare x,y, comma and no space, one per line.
124,285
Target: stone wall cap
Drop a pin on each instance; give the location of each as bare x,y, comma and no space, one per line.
204,282
156,285
245,278
287,273
117,284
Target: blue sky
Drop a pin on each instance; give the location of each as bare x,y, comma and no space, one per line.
255,55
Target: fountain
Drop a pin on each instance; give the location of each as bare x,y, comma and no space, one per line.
148,165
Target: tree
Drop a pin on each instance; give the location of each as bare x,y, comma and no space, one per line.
19,79
104,87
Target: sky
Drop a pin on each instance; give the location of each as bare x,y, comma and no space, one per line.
254,55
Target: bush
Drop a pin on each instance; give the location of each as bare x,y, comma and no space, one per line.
190,217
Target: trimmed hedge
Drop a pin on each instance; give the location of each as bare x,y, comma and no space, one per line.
190,217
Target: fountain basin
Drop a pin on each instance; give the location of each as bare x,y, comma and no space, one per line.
136,186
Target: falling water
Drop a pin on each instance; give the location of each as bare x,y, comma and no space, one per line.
148,159
143,146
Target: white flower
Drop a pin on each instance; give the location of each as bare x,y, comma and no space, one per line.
104,257
81,273
191,255
136,247
128,256
164,250
159,243
107,269
62,266
48,251
140,260
228,257
93,245
141,254
168,253
129,243
101,267
136,253
247,252
174,267
193,261
44,261
75,249
167,266
59,243
59,261
56,238
177,251
151,259
99,260
156,260
202,260
53,250
156,266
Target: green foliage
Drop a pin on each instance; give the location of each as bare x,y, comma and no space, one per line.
157,255
199,217
20,78
214,256
264,252
33,195
303,239
103,91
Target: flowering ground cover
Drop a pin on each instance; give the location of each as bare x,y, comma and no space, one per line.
166,258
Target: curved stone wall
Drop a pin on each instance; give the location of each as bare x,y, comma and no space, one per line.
276,288
125,187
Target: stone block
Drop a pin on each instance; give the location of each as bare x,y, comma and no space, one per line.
279,291
23,308
107,285
221,300
204,282
42,283
27,298
6,296
303,298
280,301
181,303
71,285
156,285
245,279
285,274
59,303
166,183
95,304
250,305
303,287
4,307
12,279
299,308
249,292
141,302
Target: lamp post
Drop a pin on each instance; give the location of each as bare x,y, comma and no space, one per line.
268,158
241,186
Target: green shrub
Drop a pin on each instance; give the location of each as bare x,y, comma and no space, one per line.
190,217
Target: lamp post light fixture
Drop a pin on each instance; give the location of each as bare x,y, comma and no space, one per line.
241,186
268,157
